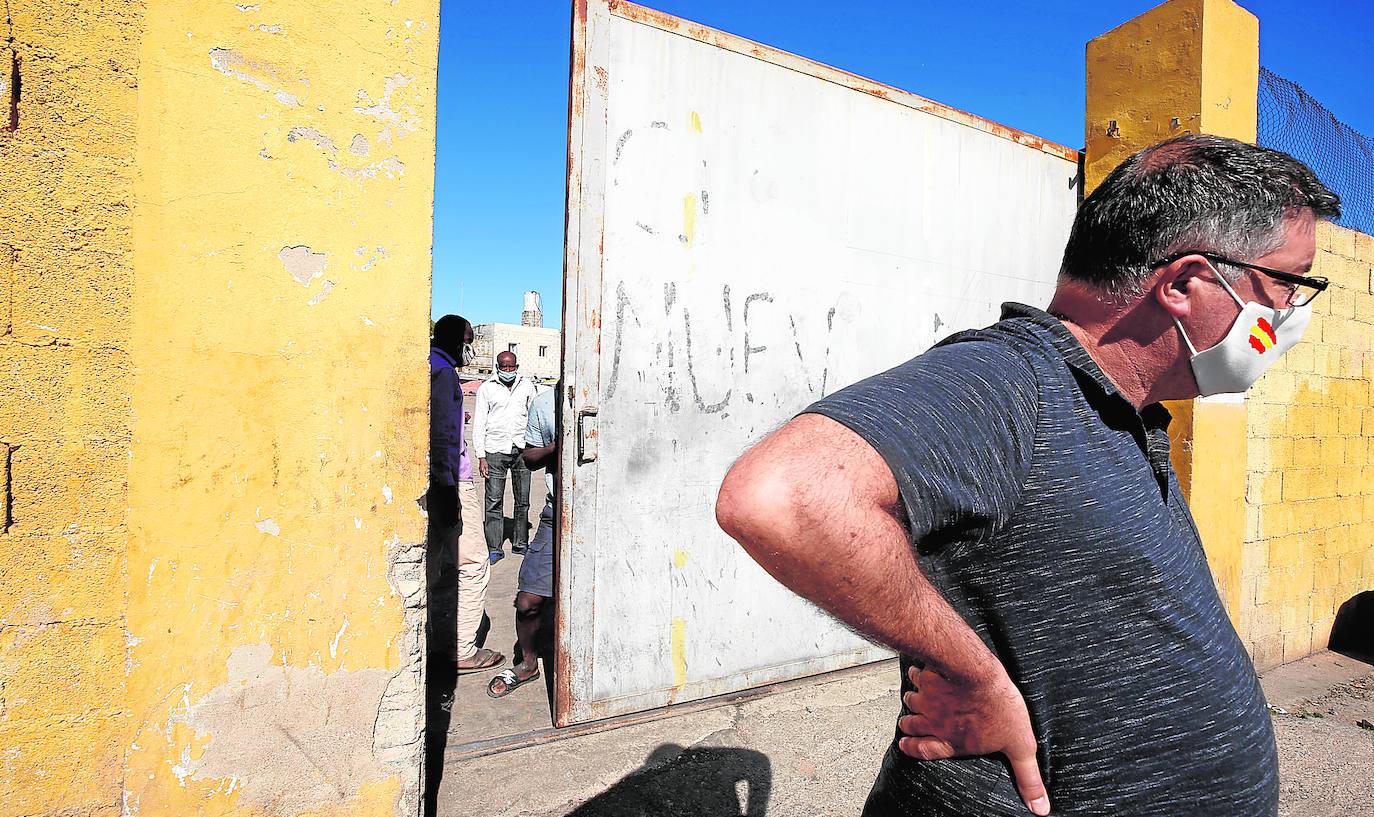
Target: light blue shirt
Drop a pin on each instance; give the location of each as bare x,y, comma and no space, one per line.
541,430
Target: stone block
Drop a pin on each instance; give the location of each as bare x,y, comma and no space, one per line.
61,392
1264,488
1297,642
61,670
1288,551
69,765
1364,247
1337,240
68,487
72,295
51,579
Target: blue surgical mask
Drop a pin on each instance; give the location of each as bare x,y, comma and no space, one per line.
506,377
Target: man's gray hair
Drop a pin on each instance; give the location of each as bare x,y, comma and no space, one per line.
1194,192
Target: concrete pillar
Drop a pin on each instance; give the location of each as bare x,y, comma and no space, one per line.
1187,66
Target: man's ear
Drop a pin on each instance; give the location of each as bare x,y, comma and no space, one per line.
1176,281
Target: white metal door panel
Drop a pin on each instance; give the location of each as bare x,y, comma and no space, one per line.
747,231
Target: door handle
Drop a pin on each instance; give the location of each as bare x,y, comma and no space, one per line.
588,435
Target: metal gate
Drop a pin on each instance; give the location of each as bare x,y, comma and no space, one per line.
746,232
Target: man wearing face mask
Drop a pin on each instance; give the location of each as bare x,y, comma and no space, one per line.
498,432
1001,510
451,502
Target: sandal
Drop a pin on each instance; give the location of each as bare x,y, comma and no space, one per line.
509,681
485,658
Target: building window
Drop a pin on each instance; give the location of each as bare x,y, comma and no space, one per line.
510,347
543,351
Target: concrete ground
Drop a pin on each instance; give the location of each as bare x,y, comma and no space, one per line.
812,748
476,717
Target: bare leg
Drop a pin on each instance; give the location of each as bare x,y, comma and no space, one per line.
528,608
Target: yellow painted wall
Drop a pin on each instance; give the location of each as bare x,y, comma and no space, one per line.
67,177
215,270
280,333
1309,543
1282,484
1186,66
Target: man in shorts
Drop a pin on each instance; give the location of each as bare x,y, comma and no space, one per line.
535,587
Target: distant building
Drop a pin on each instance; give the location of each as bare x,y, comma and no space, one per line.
536,346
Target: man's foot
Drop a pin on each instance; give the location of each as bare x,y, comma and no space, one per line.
494,556
517,549
481,660
507,680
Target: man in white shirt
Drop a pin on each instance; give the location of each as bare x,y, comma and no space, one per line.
498,434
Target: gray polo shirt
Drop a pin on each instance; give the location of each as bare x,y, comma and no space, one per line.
1043,506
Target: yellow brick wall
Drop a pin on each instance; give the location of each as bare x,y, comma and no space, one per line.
66,196
1309,493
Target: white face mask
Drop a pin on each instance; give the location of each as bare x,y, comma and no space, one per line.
1258,337
467,355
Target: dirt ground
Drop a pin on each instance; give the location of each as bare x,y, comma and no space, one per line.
1326,759
811,750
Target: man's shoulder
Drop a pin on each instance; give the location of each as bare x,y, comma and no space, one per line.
988,372
1001,352
542,408
1014,334
439,362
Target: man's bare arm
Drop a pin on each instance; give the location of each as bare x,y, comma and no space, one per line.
539,457
819,509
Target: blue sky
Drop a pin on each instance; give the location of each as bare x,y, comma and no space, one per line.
503,90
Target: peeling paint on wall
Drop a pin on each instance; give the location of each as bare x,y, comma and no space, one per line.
233,64
303,263
396,124
321,141
392,166
295,739
323,293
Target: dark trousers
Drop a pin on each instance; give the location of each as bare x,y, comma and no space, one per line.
493,525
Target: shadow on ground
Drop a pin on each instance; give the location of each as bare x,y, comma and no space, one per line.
696,782
441,678
1353,632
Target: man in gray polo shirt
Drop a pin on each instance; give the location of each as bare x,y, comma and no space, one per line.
1001,509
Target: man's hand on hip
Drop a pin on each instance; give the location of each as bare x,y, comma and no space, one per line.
951,719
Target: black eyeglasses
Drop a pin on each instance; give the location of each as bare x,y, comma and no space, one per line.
1301,289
